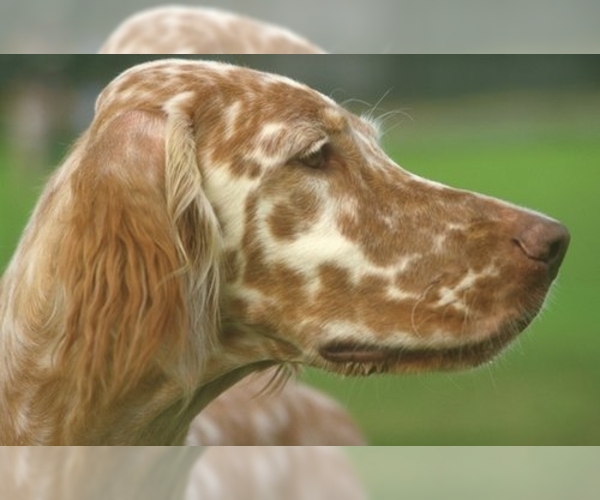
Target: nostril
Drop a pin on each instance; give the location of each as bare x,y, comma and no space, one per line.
545,241
555,249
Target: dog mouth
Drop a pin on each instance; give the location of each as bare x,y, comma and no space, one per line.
353,358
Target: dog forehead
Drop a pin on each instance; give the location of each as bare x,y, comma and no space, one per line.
175,84
184,75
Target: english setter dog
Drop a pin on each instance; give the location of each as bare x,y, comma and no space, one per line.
215,221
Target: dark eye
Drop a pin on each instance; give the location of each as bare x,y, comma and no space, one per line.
315,159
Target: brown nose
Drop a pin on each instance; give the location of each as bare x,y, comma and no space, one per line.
544,240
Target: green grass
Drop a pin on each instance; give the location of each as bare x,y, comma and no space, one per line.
542,151
18,192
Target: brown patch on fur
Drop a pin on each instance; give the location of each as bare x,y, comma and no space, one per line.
290,218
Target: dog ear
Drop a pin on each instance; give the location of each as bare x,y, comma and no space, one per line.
198,241
140,264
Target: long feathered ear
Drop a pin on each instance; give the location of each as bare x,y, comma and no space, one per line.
198,240
140,262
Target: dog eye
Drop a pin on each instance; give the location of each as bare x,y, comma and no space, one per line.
315,159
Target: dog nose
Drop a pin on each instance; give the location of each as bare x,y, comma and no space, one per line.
544,240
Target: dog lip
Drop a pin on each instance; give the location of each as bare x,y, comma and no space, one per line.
349,352
468,354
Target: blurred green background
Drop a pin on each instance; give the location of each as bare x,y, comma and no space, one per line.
476,473
525,129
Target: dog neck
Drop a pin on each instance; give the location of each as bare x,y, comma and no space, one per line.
39,407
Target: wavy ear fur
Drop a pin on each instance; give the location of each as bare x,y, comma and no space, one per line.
140,265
